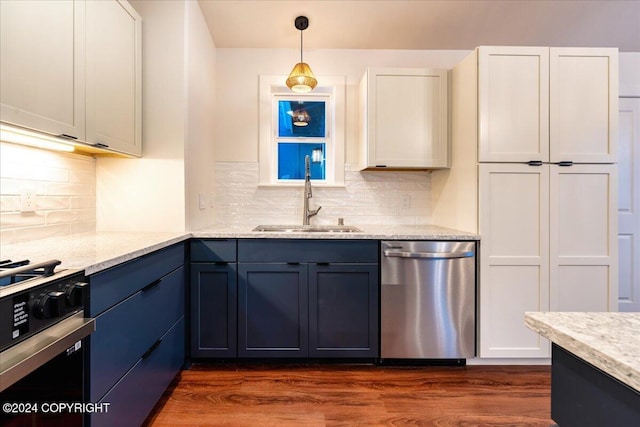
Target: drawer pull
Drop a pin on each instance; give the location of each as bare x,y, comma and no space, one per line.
151,349
151,285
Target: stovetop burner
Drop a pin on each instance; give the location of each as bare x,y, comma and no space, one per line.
19,271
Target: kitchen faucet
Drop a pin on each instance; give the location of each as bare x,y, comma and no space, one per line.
308,213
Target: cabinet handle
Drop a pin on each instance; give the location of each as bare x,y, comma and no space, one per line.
293,263
151,285
100,145
565,163
322,263
535,163
221,263
381,166
151,349
64,135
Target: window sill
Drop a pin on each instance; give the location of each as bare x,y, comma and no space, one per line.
299,185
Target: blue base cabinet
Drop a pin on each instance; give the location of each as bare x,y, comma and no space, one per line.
308,298
343,310
139,342
272,310
213,298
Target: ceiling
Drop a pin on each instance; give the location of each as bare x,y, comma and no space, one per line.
424,24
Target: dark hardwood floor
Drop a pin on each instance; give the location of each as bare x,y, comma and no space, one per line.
356,395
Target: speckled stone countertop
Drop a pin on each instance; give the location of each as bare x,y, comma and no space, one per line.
98,251
375,232
608,341
92,252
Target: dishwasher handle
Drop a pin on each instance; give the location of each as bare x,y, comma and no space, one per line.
428,255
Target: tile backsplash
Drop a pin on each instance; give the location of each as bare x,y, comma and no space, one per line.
369,197
64,186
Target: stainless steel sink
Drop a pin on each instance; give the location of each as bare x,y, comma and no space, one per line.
307,229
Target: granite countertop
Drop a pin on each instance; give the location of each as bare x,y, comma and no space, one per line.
608,341
374,232
94,252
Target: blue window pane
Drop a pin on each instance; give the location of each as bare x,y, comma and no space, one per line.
301,119
291,160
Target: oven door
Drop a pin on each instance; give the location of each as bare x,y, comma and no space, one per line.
40,376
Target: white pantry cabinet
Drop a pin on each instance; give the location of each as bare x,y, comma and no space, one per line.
583,107
73,68
549,242
583,226
42,65
404,118
513,103
547,104
548,230
514,273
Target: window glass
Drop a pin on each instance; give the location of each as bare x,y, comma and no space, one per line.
301,119
291,160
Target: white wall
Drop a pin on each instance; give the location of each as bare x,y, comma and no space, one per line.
148,194
629,74
200,60
237,72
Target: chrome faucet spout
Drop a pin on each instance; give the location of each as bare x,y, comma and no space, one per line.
308,213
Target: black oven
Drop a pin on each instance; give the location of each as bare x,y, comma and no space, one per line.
42,331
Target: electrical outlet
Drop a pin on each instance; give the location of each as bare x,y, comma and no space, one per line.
405,201
27,200
202,201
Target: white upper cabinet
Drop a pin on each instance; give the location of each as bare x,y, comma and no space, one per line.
583,104
73,68
42,65
113,76
547,104
513,102
404,118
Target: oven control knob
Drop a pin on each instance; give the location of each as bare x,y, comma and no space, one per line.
75,293
50,305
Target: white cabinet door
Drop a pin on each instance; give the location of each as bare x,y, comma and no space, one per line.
629,205
583,104
514,257
513,102
584,246
114,76
42,65
406,118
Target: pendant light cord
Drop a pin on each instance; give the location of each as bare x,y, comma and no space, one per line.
301,46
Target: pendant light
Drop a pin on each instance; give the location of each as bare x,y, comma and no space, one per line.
301,78
300,117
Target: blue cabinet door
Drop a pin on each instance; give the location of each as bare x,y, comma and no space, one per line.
213,310
343,310
272,310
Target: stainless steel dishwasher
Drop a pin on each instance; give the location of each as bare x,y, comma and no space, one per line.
428,300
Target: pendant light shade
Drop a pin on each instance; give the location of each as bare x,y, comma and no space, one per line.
300,117
301,79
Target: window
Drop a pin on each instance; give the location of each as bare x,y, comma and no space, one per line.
301,131
293,126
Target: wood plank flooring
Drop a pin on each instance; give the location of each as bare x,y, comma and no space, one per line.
356,395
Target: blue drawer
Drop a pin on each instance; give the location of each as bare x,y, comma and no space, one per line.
207,250
135,395
315,251
124,332
111,286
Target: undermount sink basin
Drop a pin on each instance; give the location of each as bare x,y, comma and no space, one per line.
307,229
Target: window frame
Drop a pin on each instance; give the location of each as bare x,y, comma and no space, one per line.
332,91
